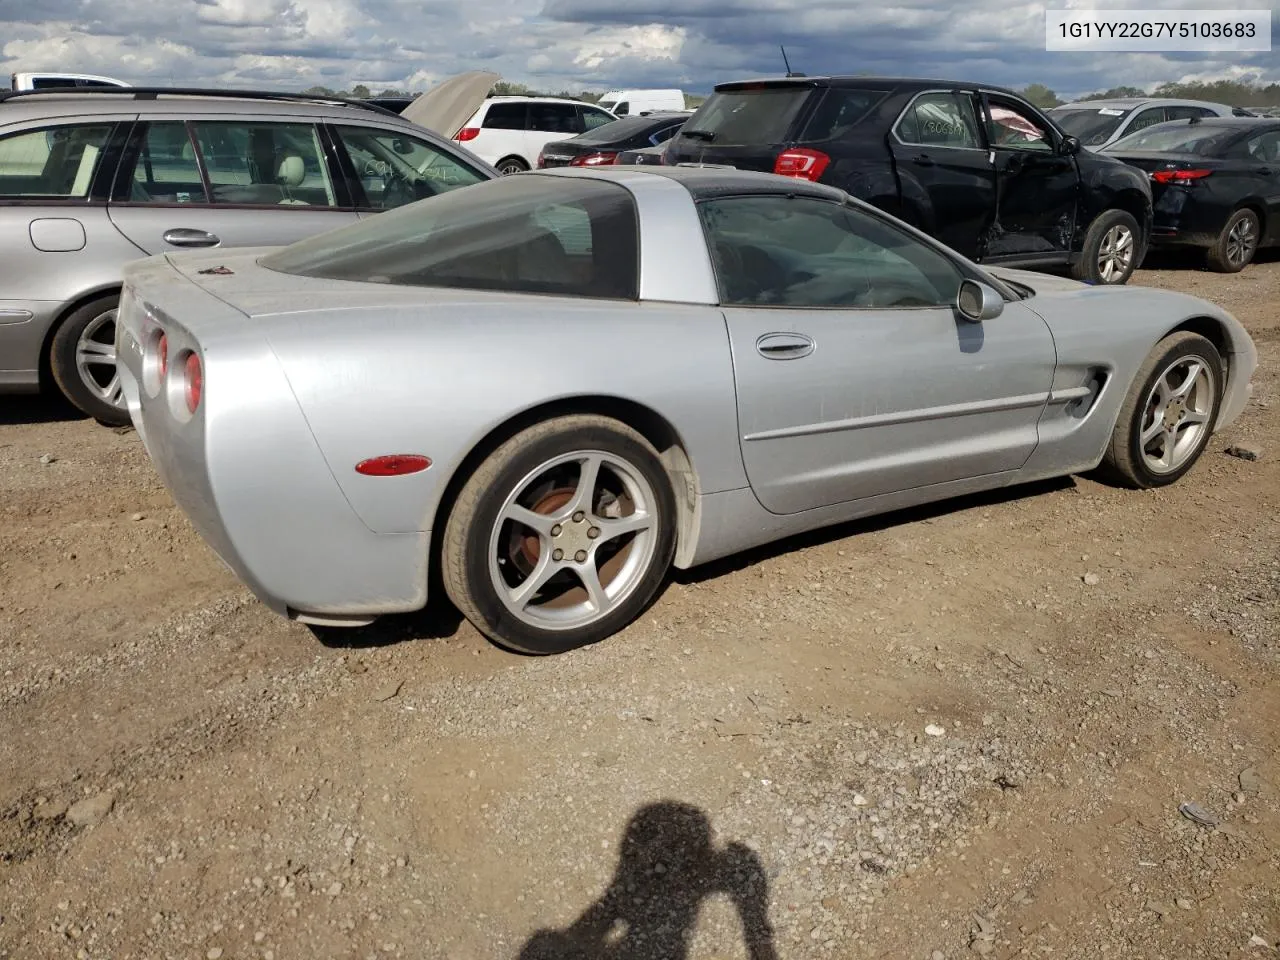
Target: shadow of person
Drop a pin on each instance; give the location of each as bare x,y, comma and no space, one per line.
667,866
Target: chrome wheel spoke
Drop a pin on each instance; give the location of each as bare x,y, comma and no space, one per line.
612,529
1153,431
1183,390
1193,417
1169,448
94,351
596,595
539,578
584,497
539,523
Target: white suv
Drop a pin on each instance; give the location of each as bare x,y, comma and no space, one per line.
509,132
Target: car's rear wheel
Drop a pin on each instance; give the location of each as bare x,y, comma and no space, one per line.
562,536
1112,247
82,358
1169,414
1236,244
509,165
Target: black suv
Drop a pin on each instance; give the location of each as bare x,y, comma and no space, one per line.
977,167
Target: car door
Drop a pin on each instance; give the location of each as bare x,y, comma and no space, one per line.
390,167
226,182
855,376
938,153
1037,185
1260,156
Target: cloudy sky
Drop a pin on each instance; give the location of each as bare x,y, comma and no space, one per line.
580,44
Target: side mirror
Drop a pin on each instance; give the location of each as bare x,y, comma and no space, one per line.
402,146
1069,146
977,301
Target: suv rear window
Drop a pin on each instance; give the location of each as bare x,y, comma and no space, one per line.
751,116
526,234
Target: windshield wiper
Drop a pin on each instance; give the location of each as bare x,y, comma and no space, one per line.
706,135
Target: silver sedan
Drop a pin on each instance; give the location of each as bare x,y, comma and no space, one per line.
553,387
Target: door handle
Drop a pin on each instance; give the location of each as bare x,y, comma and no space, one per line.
185,237
923,160
784,346
1263,171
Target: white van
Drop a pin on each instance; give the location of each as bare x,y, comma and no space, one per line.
631,103
43,81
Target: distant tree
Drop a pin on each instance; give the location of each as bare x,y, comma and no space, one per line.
1231,92
319,92
1041,95
1116,92
360,91
389,92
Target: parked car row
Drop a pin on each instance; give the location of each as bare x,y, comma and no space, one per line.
92,178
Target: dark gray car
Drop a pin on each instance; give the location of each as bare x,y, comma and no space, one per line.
92,180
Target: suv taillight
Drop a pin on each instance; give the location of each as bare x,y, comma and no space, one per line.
801,162
194,382
593,159
467,133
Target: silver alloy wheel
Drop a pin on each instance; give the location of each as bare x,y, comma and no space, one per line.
1242,239
96,359
1176,414
509,167
585,555
1115,253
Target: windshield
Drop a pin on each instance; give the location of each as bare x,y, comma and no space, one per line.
1177,137
526,234
607,104
1092,126
747,117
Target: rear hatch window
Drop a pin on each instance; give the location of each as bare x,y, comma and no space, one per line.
743,127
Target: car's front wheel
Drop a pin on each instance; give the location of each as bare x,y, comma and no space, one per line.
1112,247
1169,414
82,358
562,536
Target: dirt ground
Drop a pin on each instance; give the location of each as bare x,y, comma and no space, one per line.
961,730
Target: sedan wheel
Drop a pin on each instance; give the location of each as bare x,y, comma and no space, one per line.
83,360
562,536
1169,413
1237,243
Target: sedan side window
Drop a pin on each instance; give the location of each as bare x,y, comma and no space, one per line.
665,134
940,120
1010,127
1265,147
396,169
776,251
57,162
259,164
1150,117
1187,113
165,169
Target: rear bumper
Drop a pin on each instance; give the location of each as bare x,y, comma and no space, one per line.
248,474
24,324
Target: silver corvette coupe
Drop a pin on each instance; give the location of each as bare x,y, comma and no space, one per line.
555,386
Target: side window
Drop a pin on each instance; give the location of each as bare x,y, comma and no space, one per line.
941,120
1009,127
261,164
396,169
165,170
665,134
56,162
1264,147
592,118
505,116
777,251
1150,117
553,118
1186,113
622,109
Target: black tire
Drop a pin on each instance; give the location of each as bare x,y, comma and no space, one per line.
1236,244
464,555
62,361
1124,460
509,165
1087,268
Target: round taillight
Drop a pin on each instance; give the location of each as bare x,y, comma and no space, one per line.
194,382
162,355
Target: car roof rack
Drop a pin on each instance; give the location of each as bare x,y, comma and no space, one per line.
152,93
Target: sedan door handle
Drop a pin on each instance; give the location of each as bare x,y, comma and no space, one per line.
784,346
923,160
1263,171
185,237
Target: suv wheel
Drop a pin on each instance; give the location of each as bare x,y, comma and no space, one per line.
1112,247
509,165
83,360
